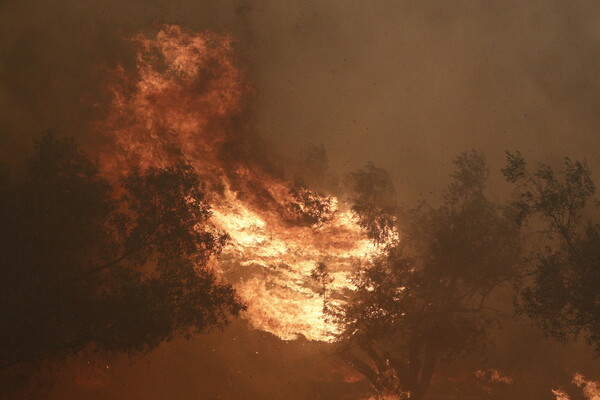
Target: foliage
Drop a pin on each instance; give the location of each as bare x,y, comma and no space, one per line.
561,293
310,208
87,264
373,201
424,301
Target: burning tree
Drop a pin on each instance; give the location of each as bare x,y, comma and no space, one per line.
426,300
90,264
561,289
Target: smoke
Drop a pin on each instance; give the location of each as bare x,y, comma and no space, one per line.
235,364
411,84
405,84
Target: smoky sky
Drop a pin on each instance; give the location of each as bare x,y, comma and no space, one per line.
406,84
410,84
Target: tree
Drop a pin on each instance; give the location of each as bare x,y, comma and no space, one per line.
425,300
374,201
560,292
86,264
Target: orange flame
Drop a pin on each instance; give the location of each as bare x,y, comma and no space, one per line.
590,389
493,376
188,99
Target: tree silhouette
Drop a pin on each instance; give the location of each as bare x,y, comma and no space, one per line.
560,291
425,300
86,264
373,201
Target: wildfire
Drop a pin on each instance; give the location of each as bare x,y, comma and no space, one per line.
590,389
187,99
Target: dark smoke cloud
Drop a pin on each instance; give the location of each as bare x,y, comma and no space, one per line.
405,84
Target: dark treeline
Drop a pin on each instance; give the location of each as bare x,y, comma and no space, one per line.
91,265
425,301
428,300
97,266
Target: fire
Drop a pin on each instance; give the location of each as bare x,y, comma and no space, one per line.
188,99
590,389
271,262
493,376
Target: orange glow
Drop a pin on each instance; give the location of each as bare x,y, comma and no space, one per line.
590,389
493,376
187,98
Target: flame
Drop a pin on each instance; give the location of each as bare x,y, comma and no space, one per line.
590,389
493,376
186,98
560,394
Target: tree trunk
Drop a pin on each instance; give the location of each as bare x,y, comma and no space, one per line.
424,375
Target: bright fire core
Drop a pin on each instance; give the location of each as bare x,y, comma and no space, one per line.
187,99
273,265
